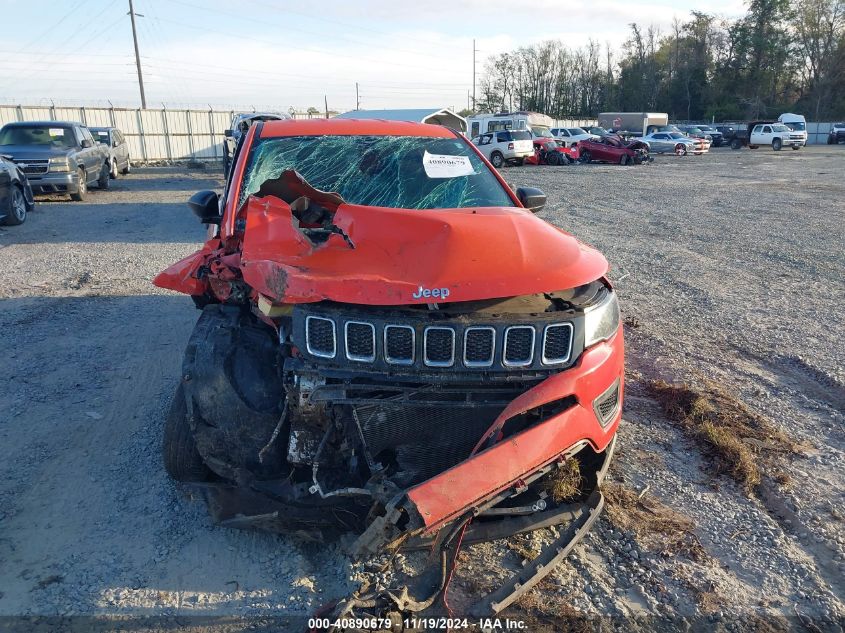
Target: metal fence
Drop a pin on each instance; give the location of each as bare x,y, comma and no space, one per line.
153,135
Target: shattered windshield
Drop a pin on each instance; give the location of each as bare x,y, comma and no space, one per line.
404,172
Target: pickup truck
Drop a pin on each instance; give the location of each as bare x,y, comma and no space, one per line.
57,156
767,133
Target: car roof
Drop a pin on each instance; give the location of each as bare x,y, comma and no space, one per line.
102,127
51,123
352,127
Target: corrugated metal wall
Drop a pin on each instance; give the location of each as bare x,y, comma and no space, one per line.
153,135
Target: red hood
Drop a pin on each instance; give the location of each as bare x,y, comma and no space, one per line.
472,254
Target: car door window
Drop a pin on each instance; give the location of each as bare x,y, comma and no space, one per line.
767,129
757,129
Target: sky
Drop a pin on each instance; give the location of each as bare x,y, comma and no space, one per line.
278,54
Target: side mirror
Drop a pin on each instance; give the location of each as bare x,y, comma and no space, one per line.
206,206
228,133
87,143
531,198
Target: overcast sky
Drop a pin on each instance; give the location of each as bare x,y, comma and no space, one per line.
274,54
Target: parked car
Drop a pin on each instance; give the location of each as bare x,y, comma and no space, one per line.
550,152
717,137
674,142
836,134
693,131
613,149
728,132
569,136
118,148
771,133
405,348
505,146
57,156
16,198
241,121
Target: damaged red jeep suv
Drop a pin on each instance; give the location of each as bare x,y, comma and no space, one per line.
392,342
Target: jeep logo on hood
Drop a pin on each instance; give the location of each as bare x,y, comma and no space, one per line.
425,293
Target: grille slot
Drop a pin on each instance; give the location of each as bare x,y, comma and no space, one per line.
557,343
439,346
606,405
399,344
360,341
320,337
519,346
34,166
479,346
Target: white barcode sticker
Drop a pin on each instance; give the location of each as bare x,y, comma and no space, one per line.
445,166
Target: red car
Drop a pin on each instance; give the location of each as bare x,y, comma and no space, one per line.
613,149
391,342
550,152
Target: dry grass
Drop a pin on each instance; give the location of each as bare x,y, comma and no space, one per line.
564,484
739,442
656,526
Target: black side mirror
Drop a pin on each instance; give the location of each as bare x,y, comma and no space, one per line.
228,133
206,206
531,198
86,143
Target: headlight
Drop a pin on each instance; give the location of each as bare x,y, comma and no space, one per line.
601,321
59,164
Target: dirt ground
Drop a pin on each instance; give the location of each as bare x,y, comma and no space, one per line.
731,274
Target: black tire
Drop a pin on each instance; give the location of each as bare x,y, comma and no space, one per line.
680,149
519,162
113,171
624,160
79,196
776,144
829,141
736,144
16,211
125,171
585,156
103,180
497,159
182,460
796,147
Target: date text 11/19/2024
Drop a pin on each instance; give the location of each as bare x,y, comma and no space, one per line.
486,625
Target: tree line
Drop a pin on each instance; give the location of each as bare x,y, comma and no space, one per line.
781,56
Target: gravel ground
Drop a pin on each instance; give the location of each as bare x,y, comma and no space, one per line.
730,270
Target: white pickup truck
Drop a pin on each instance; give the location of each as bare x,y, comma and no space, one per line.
777,135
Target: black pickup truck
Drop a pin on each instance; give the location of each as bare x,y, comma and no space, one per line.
57,156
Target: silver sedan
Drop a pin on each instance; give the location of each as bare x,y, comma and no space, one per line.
663,142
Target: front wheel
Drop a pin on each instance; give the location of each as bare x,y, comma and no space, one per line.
680,149
182,460
16,213
585,156
624,160
497,159
103,180
113,170
126,169
736,144
82,189
776,144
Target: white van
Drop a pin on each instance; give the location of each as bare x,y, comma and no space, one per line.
796,123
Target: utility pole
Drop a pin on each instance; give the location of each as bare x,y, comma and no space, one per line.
326,100
137,55
474,51
357,100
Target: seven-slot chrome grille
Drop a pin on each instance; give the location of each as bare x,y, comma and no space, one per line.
443,344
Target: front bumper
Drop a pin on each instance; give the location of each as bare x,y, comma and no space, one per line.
54,182
500,466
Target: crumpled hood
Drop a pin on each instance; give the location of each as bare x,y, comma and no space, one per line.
383,256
